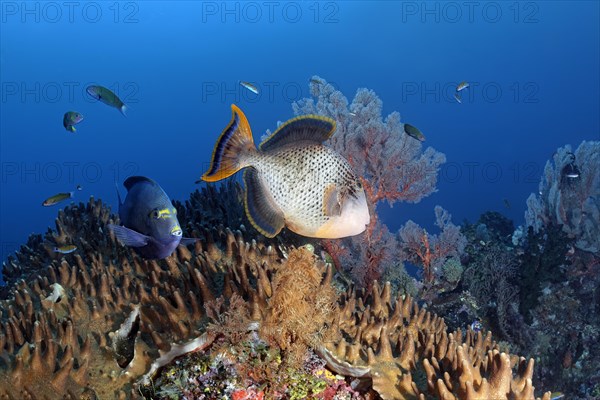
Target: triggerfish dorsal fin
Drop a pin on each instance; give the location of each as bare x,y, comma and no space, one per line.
233,145
306,128
261,209
132,180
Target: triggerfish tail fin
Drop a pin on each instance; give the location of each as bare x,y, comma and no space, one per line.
123,110
306,128
261,209
234,144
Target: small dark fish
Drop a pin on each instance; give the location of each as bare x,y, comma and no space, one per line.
57,198
506,203
414,132
462,85
65,249
149,219
571,171
70,119
476,326
107,97
79,187
249,86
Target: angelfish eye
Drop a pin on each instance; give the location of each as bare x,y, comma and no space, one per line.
155,214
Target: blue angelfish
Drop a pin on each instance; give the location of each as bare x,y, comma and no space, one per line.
149,219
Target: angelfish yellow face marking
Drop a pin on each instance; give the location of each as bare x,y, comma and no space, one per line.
164,213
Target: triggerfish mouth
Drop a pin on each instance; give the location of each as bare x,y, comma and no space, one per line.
292,180
149,219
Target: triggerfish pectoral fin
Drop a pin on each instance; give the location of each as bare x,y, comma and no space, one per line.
234,144
261,209
129,237
331,201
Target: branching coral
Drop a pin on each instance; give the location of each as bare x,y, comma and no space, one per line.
99,323
385,340
115,317
392,165
570,197
432,251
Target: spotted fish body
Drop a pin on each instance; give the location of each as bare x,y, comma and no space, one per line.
293,180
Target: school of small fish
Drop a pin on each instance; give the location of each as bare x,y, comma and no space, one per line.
291,180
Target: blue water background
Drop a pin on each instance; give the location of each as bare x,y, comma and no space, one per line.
534,69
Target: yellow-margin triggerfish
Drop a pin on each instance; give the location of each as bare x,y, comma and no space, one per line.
292,179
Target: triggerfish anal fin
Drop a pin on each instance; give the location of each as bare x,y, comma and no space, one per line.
234,143
261,209
331,201
307,128
129,237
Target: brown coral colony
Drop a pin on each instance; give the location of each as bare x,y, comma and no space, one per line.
100,323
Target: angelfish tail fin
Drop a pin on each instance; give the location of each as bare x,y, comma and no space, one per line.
232,148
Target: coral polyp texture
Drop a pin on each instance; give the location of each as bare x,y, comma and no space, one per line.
101,322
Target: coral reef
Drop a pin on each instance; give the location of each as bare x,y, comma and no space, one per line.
538,293
391,164
569,196
491,279
101,322
299,307
431,252
386,340
102,318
